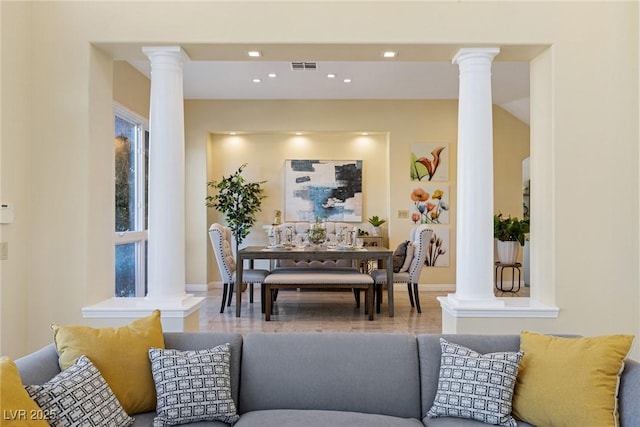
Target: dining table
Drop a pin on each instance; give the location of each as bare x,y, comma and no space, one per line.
313,252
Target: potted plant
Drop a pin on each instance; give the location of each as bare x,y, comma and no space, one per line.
509,232
375,224
239,201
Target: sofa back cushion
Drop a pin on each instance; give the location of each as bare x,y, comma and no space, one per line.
207,340
429,351
369,373
40,366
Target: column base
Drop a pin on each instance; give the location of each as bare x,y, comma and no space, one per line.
455,302
178,314
480,316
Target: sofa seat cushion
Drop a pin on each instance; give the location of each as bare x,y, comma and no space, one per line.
146,420
318,418
461,422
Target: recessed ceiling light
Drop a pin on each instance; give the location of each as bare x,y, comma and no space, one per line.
364,133
389,54
347,80
272,75
233,133
256,80
254,53
331,76
298,133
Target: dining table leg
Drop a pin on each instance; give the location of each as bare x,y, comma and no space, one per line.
390,283
239,264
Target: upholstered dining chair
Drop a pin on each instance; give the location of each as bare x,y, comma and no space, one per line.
419,239
220,236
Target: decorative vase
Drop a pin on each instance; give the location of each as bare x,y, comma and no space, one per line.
508,251
317,232
376,230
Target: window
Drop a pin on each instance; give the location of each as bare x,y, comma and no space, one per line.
131,150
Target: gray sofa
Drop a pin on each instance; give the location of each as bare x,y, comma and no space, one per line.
331,379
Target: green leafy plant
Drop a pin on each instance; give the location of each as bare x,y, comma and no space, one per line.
238,200
375,221
510,228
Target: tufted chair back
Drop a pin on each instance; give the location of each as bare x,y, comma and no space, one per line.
299,231
420,237
221,240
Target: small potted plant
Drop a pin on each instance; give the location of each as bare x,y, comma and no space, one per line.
509,232
376,223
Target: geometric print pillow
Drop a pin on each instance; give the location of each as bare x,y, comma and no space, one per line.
192,386
79,396
476,386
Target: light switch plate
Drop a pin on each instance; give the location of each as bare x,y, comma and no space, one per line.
403,214
4,251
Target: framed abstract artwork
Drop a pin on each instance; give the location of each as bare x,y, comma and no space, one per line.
323,188
429,162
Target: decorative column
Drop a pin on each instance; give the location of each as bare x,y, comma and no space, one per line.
166,245
474,243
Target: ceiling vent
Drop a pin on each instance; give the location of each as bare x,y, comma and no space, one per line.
308,66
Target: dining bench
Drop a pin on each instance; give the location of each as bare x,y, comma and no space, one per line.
318,278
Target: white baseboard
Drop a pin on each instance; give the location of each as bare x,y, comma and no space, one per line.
438,287
198,287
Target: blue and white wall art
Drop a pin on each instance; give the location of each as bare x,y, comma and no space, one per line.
323,188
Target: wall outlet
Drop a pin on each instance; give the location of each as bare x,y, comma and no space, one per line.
403,214
4,251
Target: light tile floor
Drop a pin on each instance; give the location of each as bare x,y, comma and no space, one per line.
325,311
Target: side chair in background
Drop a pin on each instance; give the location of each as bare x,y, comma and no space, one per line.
221,241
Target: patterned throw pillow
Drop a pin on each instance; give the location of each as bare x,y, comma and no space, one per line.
79,396
193,386
476,386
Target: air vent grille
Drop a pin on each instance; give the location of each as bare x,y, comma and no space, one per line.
304,66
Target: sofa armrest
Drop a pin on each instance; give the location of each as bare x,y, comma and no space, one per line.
629,395
39,366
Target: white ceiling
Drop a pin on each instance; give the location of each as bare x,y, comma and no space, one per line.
230,76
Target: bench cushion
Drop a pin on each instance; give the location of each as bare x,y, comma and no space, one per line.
310,276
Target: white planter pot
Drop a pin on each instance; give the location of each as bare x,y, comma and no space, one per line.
376,230
508,252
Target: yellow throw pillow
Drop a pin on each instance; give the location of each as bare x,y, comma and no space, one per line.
120,354
570,381
16,407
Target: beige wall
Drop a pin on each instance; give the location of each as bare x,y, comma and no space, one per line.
131,89
55,137
331,136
